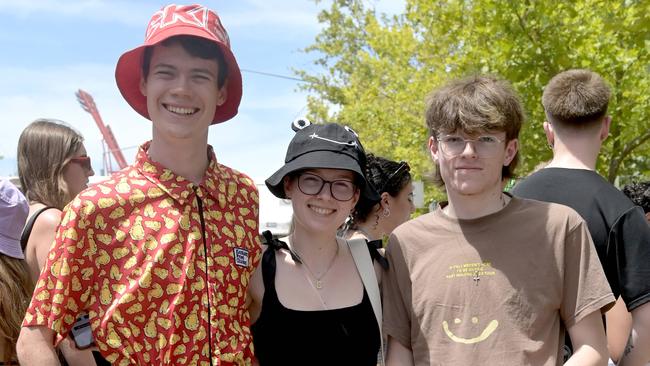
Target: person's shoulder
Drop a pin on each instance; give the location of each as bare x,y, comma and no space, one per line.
230,174
554,214
48,220
414,225
534,204
531,184
119,188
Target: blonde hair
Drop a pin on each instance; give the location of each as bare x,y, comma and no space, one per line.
576,98
16,287
44,149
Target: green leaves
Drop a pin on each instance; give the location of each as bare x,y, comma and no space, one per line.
378,69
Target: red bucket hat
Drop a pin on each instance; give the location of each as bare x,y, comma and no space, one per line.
173,20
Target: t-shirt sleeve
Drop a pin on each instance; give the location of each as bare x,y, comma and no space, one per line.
396,295
585,287
630,236
65,283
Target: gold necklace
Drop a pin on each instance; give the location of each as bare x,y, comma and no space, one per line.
318,283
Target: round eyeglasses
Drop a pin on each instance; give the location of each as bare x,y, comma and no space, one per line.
486,145
340,189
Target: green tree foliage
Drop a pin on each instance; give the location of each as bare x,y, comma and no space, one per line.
378,69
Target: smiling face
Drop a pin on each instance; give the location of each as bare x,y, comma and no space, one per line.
182,93
320,212
469,172
480,336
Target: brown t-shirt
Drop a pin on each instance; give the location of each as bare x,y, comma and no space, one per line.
497,290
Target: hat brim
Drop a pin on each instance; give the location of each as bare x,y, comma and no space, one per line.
11,247
128,74
319,160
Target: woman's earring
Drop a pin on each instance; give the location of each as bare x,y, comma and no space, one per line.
386,212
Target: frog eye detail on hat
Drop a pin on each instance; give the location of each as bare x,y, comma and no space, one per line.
300,123
350,130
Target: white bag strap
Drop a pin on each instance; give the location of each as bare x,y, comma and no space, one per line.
361,256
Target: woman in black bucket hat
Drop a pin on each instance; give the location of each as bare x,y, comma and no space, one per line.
311,301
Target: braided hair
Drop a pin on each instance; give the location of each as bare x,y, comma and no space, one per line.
386,176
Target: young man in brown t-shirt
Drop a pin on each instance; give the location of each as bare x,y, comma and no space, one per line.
487,278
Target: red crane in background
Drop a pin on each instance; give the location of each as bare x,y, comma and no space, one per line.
109,143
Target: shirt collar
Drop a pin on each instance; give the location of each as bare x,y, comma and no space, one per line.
178,187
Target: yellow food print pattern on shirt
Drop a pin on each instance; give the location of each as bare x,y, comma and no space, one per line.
137,266
489,329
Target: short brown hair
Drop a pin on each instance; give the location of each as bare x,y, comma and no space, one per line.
475,104
44,149
576,98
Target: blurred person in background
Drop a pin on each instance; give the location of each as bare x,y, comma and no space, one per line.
619,317
16,286
376,220
577,124
639,193
53,168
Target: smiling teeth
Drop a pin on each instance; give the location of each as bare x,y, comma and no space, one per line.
322,211
181,110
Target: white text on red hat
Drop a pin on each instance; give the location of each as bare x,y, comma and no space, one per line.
199,16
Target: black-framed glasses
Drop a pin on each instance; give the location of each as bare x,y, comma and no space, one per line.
485,145
84,161
340,189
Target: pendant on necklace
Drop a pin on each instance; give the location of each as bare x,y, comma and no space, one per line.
319,284
476,278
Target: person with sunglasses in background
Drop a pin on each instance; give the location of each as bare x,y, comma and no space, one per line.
310,302
374,221
53,168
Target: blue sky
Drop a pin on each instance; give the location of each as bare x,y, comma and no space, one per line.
52,48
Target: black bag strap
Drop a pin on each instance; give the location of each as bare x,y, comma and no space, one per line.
27,231
268,258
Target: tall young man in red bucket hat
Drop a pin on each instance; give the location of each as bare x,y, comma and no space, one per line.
160,255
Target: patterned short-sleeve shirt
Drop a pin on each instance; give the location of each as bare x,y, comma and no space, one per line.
131,252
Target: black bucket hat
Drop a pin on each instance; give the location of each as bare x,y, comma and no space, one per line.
323,146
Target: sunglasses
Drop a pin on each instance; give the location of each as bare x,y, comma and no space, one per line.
84,161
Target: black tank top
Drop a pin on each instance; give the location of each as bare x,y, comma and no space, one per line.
282,336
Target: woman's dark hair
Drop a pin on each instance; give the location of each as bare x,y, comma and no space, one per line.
195,46
639,193
386,176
